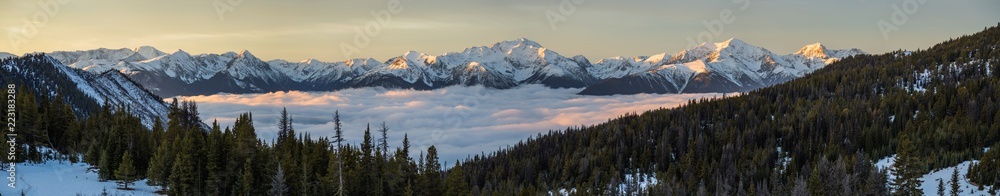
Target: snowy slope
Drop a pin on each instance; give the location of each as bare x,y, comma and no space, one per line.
5,55
929,185
114,88
89,91
64,178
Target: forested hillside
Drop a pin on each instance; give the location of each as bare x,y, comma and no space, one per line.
816,135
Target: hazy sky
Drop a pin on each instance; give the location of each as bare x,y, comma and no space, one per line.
301,29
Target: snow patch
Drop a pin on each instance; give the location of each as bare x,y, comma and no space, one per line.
64,178
929,185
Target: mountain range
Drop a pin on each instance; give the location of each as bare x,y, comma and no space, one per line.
729,66
85,91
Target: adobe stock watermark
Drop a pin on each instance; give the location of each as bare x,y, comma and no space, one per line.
566,8
30,27
715,27
364,34
224,6
900,15
11,166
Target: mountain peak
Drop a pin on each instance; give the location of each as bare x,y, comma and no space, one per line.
816,50
521,41
731,42
181,52
144,48
148,52
245,53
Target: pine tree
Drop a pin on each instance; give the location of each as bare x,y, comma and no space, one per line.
104,168
384,145
955,187
160,165
432,173
288,150
369,167
339,137
799,187
215,149
93,155
184,174
906,168
126,170
284,133
456,183
408,190
382,158
815,184
246,180
940,186
278,187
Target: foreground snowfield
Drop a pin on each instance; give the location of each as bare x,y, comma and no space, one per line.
64,178
930,179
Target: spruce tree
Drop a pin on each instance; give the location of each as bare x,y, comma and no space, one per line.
278,186
104,168
183,176
369,167
456,183
283,131
432,173
126,170
339,137
246,180
160,165
955,187
907,168
940,187
215,150
815,184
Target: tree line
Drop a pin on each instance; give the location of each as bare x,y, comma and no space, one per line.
183,156
817,135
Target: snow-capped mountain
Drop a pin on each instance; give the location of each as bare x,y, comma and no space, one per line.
4,55
727,66
84,90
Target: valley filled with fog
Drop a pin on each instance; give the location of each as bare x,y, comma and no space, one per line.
459,121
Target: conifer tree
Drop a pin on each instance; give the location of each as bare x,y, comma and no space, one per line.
432,173
339,137
815,184
126,170
160,165
278,186
104,168
456,183
246,180
215,149
940,186
907,168
369,167
955,191
184,174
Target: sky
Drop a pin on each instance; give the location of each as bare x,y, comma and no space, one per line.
335,30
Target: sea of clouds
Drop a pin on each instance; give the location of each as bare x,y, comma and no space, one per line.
460,121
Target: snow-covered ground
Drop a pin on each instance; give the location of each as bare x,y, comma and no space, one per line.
929,185
644,181
63,178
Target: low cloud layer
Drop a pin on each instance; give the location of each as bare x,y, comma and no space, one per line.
459,121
